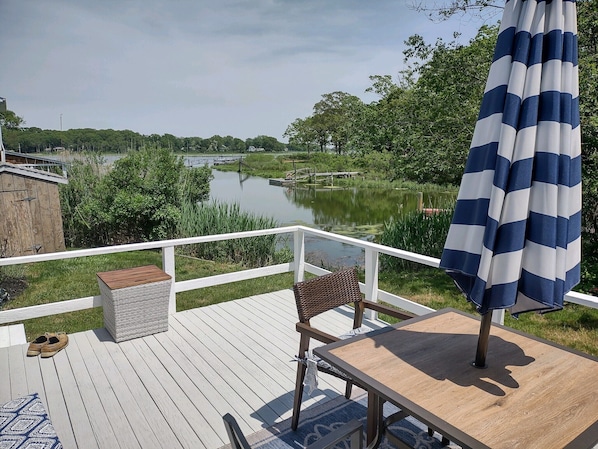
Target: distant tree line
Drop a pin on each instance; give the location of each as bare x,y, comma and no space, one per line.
35,140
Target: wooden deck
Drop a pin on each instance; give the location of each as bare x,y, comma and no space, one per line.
169,390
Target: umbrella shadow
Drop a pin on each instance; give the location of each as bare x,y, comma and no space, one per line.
450,357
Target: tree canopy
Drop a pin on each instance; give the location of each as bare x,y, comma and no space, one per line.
426,116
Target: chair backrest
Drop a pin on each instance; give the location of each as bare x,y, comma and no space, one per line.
323,293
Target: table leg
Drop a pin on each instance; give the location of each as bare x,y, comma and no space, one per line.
374,420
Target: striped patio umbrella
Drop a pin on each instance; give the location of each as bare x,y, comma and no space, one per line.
514,241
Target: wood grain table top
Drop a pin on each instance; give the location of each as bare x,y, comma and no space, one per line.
532,394
131,277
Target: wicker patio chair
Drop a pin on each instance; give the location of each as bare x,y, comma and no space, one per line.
353,429
319,295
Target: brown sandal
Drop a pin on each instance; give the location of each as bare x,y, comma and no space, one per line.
35,347
56,342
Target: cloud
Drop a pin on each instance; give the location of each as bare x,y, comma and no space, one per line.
196,68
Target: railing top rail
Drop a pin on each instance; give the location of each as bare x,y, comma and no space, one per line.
414,257
407,255
142,246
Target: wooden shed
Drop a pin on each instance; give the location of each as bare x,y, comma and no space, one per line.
30,216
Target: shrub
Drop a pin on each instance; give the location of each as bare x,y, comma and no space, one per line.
212,218
418,233
138,200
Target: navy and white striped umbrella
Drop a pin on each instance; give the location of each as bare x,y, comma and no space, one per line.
514,241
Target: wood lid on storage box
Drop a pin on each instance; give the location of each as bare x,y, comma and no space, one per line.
130,277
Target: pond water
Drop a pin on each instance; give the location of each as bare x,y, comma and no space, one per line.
358,213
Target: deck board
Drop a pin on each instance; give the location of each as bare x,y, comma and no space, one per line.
170,390
12,334
165,437
113,409
18,381
171,400
63,402
219,380
56,390
5,384
100,423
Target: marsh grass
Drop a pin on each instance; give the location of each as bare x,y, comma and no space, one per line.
415,232
222,218
371,176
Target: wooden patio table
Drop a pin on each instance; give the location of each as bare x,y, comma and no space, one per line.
532,394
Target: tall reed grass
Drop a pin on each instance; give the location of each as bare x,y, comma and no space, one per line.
416,232
212,218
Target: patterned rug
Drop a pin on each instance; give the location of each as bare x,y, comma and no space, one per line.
319,420
24,424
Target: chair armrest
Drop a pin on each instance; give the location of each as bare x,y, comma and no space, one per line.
353,428
317,334
387,310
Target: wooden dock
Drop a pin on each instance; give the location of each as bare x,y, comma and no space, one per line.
293,177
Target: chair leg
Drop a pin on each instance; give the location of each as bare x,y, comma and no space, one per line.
348,389
236,437
445,441
298,395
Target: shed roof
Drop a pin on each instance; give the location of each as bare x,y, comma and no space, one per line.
16,169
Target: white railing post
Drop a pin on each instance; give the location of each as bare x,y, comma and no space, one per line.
299,254
371,279
169,268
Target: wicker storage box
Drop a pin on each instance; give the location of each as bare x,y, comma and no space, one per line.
135,301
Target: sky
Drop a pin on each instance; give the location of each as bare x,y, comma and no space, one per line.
199,67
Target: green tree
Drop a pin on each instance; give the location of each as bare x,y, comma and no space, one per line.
10,120
268,143
445,9
335,116
382,122
445,84
302,134
588,104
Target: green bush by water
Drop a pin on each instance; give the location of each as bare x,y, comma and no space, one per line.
213,218
415,232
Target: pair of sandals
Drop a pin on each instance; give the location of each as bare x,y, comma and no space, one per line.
48,344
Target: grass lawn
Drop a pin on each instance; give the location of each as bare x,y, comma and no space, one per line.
575,326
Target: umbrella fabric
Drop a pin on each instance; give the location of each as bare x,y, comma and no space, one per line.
514,241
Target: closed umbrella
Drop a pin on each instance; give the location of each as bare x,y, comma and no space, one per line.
514,241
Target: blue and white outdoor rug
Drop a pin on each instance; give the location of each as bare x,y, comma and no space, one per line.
320,420
24,424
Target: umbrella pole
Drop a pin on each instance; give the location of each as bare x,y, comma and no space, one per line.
480,356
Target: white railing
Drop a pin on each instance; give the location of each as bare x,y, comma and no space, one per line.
299,266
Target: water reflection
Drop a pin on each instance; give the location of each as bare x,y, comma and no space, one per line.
358,213
358,207
344,210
